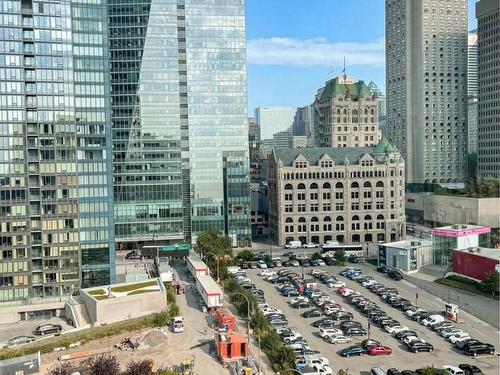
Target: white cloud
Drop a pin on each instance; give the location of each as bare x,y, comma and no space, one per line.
314,52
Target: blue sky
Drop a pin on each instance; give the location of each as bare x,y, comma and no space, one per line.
294,46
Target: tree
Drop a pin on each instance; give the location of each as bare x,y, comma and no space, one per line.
245,255
258,323
213,242
103,364
490,284
343,372
61,369
428,371
340,257
144,367
316,256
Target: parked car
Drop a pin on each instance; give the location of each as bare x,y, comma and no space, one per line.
393,371
380,350
302,305
401,335
453,370
418,346
395,329
481,348
45,329
323,323
19,340
133,255
355,350
314,313
382,269
470,369
338,339
370,343
438,327
354,331
289,254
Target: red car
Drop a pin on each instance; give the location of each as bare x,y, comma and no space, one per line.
341,289
380,350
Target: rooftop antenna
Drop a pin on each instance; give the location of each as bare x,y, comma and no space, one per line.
343,71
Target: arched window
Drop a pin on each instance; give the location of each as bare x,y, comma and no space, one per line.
380,184
368,217
392,174
301,186
326,185
314,219
302,220
380,217
339,185
354,112
314,185
288,220
339,218
355,218
367,184
288,187
354,185
327,218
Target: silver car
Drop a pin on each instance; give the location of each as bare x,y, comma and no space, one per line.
19,340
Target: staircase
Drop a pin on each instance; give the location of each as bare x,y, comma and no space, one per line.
78,311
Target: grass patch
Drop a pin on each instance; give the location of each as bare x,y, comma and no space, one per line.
100,297
131,287
373,261
464,283
97,292
142,291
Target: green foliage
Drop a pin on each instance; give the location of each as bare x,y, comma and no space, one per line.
316,256
173,310
343,372
211,241
474,188
491,284
469,285
170,293
143,367
103,364
61,369
259,323
267,258
340,257
428,371
245,255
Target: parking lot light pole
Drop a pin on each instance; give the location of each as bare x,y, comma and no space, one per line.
217,260
248,314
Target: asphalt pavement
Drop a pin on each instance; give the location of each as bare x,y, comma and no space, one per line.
401,358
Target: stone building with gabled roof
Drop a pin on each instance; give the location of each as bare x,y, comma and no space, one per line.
351,195
346,114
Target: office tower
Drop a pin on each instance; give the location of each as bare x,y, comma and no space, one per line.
272,120
346,114
472,92
426,73
253,130
55,140
382,104
303,123
488,18
180,126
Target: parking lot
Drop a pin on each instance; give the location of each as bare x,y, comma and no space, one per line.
444,353
27,327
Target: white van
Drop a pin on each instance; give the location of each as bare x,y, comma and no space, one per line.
293,245
433,319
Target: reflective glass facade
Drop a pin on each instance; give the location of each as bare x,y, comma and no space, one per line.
178,79
55,225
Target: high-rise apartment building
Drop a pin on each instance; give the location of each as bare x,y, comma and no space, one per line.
345,114
472,92
272,120
488,19
56,222
180,127
426,73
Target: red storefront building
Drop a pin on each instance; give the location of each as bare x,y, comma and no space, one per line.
476,262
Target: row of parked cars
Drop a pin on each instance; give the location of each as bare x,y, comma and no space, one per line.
306,359
41,330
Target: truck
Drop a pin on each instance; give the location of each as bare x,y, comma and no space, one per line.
178,324
293,245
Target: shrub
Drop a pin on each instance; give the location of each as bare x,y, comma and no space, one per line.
61,369
103,364
144,367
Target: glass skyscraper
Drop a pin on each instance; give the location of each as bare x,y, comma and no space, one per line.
55,149
179,111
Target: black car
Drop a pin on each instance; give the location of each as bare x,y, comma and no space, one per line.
305,263
271,264
341,315
477,349
355,332
133,255
329,261
409,372
314,313
395,275
461,344
346,324
353,259
293,293
352,351
289,254
382,269
45,329
323,323
401,335
400,303
302,305
393,371
421,315
286,263
418,346
470,369
369,343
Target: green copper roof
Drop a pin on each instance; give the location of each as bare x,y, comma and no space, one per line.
384,147
353,90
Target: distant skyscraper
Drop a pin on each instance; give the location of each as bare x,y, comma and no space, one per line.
56,222
180,126
303,123
426,74
253,130
488,17
272,120
345,114
382,105
472,63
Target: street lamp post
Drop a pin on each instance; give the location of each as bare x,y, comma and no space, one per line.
217,260
248,314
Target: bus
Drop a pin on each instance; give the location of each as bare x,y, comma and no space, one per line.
356,250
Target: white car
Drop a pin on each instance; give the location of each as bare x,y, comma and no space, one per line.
262,264
331,310
324,332
450,331
294,336
368,283
310,245
348,292
323,370
297,345
267,273
294,300
319,361
294,263
458,337
271,310
338,339
409,339
453,370
395,329
413,312
337,284
321,263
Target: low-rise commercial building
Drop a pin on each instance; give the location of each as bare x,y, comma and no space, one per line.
407,255
476,262
350,195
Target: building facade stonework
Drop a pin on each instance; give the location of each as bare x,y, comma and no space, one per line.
351,195
345,114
